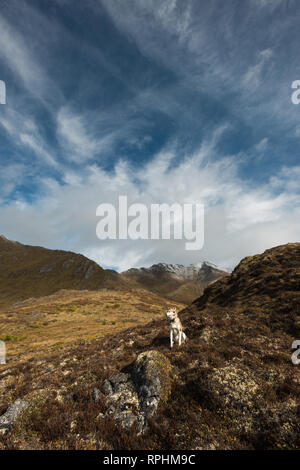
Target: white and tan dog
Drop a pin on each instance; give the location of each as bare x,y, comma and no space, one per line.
175,326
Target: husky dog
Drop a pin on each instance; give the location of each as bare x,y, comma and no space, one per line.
175,326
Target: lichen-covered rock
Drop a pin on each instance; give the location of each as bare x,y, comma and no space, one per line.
9,419
152,376
232,386
122,400
131,398
238,393
96,395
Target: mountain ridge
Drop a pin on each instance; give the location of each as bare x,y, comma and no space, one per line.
34,271
176,281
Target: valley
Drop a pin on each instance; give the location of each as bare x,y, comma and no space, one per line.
79,361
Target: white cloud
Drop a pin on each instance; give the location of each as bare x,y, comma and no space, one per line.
24,132
86,135
239,220
253,76
10,176
74,135
23,62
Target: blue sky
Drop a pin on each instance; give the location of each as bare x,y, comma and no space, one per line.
161,100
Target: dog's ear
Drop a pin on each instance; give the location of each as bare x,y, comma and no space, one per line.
175,309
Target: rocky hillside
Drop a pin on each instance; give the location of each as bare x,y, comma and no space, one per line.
175,281
32,271
231,386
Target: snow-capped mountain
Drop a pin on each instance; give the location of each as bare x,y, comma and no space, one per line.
175,281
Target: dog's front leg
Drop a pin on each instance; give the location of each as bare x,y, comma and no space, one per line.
171,338
180,335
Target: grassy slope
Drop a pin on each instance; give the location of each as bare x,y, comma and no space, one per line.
53,298
36,325
29,271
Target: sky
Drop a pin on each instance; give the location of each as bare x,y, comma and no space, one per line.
163,101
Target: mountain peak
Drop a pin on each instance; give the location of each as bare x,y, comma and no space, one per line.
176,281
6,241
186,272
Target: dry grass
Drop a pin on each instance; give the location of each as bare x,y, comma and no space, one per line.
35,325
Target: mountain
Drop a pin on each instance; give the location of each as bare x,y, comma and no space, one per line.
50,298
232,385
33,271
175,281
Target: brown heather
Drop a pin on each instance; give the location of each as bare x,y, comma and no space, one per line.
234,385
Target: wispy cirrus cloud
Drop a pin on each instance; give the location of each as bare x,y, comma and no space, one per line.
160,100
253,76
19,58
74,136
239,219
25,134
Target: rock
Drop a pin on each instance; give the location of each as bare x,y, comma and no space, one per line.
131,398
96,395
118,379
107,387
127,418
151,374
90,271
45,269
121,395
237,393
9,419
68,264
232,386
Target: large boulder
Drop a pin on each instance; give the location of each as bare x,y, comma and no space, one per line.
133,397
152,377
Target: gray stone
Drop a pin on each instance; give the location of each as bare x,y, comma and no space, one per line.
107,387
96,395
117,379
10,417
46,269
132,398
